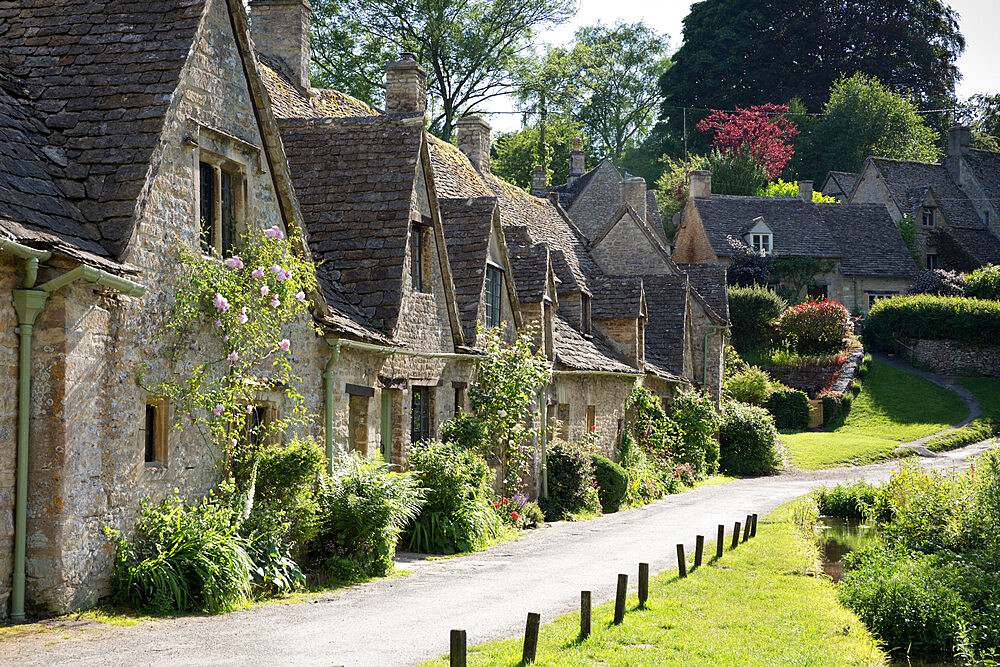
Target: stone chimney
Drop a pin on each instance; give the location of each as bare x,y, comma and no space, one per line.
958,140
634,194
473,135
700,184
577,161
405,85
280,32
806,191
539,178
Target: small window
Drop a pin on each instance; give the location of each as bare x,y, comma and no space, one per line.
420,414
417,257
258,427
816,292
932,262
220,193
585,314
459,400
591,418
761,243
357,424
550,422
154,432
875,296
927,217
494,290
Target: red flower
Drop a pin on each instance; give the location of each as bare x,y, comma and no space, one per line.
497,505
514,515
503,500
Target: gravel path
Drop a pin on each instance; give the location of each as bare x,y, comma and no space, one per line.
405,620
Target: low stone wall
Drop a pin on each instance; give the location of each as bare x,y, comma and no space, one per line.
950,358
817,378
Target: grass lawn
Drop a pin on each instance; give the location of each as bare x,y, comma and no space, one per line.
987,393
759,605
894,406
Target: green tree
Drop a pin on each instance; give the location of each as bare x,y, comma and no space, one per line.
982,113
738,53
515,154
864,118
469,47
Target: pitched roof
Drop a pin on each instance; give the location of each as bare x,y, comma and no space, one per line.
618,297
797,227
101,75
288,102
468,224
985,166
530,267
354,179
709,279
981,244
666,315
843,180
907,181
568,192
869,240
577,352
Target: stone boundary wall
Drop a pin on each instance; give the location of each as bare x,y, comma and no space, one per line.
815,379
950,358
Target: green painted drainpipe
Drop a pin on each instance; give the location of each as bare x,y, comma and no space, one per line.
28,303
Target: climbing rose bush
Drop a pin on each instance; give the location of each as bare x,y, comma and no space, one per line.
818,327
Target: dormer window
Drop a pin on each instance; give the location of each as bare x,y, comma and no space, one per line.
220,204
761,243
417,257
927,217
494,293
585,314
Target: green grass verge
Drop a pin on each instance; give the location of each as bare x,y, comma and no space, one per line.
894,406
760,605
987,394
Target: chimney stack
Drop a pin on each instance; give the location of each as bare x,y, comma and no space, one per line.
405,85
700,184
958,140
280,32
634,194
577,161
473,135
806,191
539,181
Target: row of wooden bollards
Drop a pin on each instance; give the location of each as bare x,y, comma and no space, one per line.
749,529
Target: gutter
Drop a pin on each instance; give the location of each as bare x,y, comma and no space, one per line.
623,374
29,301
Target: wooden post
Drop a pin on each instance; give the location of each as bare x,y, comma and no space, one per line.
457,648
643,583
584,614
746,528
620,598
753,526
736,536
530,638
699,549
719,543
681,562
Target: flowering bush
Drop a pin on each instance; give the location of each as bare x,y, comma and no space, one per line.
940,282
696,418
816,327
685,474
760,130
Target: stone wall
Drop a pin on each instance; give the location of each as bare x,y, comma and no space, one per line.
626,250
691,243
606,393
593,208
951,358
10,278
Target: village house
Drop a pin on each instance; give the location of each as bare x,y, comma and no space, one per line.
134,130
839,185
858,253
954,205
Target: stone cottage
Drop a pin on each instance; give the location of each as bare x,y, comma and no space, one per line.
858,244
954,204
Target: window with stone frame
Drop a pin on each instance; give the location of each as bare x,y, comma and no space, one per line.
420,413
931,261
875,296
563,417
927,216
761,243
221,204
418,259
460,391
357,423
258,432
585,321
494,295
155,432
591,418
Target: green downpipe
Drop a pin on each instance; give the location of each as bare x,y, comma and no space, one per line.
543,432
328,402
28,303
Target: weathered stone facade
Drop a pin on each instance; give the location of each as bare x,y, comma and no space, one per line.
951,358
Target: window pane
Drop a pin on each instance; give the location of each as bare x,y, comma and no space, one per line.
494,282
150,435
227,214
419,414
205,209
416,259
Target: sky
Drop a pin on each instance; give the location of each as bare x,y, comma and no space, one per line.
979,23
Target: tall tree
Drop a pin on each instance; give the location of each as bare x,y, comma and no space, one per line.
982,113
469,47
761,131
515,154
739,53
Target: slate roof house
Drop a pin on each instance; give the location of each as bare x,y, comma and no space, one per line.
954,204
123,122
839,184
859,242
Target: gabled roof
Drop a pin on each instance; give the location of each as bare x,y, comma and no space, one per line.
709,280
577,352
530,266
666,317
797,226
870,242
354,179
617,298
844,181
288,102
655,240
101,76
985,166
908,180
569,192
980,244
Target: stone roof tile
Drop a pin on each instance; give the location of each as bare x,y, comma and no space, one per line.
870,243
577,352
666,317
709,279
468,225
618,297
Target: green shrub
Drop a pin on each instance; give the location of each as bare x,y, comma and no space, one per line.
571,483
790,409
747,440
831,407
848,501
751,387
274,570
984,283
286,501
365,506
846,401
816,327
465,430
967,321
182,557
612,482
533,515
645,480
752,312
695,416
456,515
979,429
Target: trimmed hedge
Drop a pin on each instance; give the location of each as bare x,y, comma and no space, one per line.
790,408
612,482
747,440
751,312
963,320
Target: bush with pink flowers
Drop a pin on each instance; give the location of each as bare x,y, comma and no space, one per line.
816,327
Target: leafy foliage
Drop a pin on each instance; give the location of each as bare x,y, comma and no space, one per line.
672,187
747,268
572,487
759,133
791,275
516,153
816,327
753,310
908,231
984,283
752,386
737,172
747,440
790,409
612,482
939,282
964,320
780,188
848,501
695,416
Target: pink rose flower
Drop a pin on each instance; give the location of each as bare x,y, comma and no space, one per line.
218,409
258,272
264,290
218,323
275,301
233,356
277,270
221,303
285,344
242,317
300,296
232,442
234,262
274,233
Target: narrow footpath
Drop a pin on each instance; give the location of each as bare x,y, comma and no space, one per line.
406,620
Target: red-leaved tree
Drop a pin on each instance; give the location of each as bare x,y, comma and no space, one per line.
761,130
